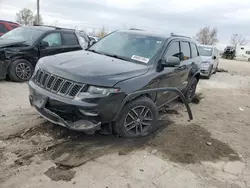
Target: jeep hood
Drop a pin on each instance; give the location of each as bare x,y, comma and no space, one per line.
91,68
10,43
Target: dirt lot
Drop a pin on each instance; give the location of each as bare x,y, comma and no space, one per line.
213,150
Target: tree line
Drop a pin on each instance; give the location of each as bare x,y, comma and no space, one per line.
209,36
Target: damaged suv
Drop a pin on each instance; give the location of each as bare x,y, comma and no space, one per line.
21,48
86,90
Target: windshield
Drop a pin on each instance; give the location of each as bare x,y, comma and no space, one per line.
129,46
29,35
205,51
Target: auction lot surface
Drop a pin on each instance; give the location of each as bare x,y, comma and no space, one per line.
213,150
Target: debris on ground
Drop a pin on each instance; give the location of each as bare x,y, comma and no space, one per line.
241,109
59,173
154,151
221,70
197,98
209,143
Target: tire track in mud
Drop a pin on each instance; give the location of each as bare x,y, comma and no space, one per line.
68,149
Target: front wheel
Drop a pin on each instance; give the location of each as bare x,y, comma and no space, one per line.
190,93
138,118
20,70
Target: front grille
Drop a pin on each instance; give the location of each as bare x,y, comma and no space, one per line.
57,84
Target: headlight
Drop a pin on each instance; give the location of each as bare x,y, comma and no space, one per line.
97,91
101,90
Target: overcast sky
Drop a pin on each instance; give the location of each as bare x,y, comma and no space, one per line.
178,16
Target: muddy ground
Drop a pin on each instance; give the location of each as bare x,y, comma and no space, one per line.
213,150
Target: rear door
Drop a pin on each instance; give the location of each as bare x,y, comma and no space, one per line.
54,41
185,65
70,41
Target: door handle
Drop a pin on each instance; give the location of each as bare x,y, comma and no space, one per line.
182,67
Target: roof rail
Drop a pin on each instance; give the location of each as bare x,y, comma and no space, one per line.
59,28
9,22
136,29
174,35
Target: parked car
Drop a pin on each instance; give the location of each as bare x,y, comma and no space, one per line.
6,26
229,52
210,60
21,48
83,90
94,38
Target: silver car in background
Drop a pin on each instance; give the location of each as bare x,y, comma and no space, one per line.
210,60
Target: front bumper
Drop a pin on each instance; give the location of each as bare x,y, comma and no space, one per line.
80,115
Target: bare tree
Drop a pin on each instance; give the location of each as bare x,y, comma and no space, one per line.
25,16
207,36
238,40
35,21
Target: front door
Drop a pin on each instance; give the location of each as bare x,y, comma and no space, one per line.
169,76
55,46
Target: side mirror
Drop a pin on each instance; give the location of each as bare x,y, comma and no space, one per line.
171,61
214,57
92,42
43,44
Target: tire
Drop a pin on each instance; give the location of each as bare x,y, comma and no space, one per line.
215,71
140,117
16,69
249,60
190,93
210,73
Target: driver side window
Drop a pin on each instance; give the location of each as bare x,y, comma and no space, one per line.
53,39
174,50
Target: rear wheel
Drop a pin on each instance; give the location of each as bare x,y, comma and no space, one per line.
138,118
249,59
20,70
190,93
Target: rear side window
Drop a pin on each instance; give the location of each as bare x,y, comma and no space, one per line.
185,49
53,39
3,29
194,50
70,39
174,49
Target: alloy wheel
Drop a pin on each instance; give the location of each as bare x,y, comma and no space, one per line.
138,120
23,71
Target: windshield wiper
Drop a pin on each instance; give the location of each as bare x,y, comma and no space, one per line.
117,57
95,52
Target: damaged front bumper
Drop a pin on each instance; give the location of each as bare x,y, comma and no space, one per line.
72,114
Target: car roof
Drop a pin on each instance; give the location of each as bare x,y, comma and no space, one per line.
9,22
49,28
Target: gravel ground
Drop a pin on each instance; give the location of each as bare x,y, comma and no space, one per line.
213,150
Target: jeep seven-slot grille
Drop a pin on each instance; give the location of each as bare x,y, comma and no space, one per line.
57,84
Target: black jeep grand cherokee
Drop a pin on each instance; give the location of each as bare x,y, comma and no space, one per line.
82,90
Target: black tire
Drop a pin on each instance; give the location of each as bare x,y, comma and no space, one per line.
215,71
190,93
249,60
210,73
141,109
16,69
